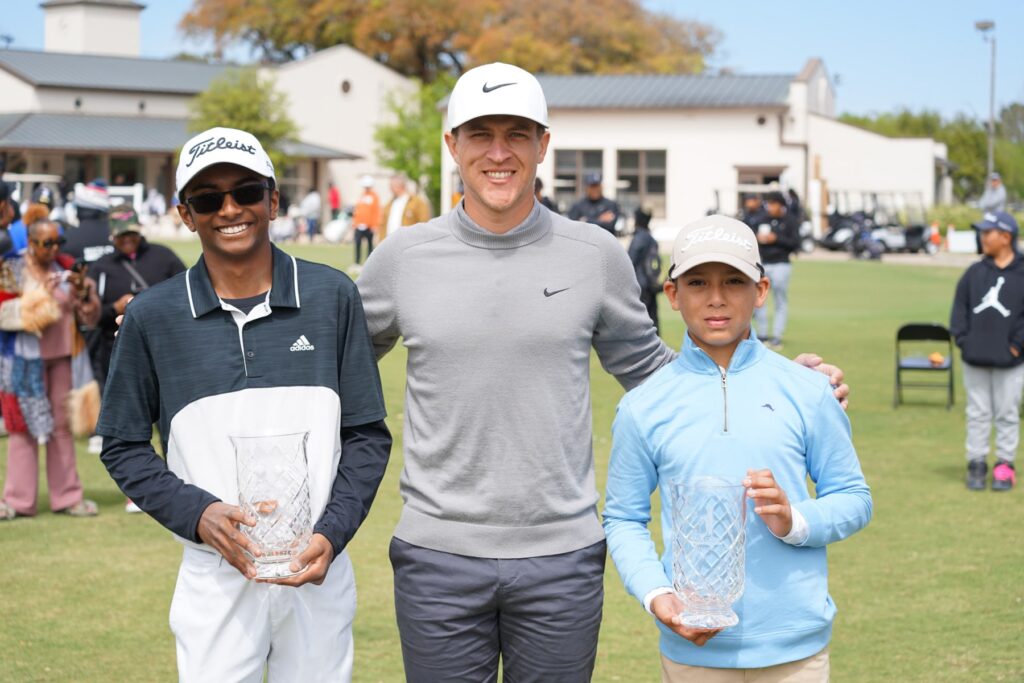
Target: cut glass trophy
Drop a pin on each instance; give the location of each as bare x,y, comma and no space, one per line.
708,522
273,488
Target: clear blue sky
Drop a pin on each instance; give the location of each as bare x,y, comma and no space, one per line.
887,53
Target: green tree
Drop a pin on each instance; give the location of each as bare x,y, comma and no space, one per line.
246,99
426,38
410,141
1011,123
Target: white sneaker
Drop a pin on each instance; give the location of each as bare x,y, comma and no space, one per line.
130,507
95,444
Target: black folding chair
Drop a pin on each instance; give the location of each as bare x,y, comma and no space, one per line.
914,339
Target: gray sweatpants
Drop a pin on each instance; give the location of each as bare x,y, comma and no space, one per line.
993,397
457,614
778,274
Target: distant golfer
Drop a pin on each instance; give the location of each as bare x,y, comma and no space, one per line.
987,322
248,342
499,552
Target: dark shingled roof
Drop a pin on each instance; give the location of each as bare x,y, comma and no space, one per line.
78,132
100,72
629,91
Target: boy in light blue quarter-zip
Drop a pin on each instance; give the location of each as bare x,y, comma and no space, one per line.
728,407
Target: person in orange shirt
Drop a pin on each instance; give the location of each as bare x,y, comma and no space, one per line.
366,217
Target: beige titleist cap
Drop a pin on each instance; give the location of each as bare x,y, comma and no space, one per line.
496,90
716,239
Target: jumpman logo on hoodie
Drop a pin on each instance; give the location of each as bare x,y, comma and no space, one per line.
991,299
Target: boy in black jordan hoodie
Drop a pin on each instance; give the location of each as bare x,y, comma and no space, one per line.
987,323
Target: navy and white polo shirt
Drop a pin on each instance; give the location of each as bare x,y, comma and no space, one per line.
203,371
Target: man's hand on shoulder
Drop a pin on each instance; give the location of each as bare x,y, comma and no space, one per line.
312,564
667,609
840,389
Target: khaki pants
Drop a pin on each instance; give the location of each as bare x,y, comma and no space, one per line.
814,669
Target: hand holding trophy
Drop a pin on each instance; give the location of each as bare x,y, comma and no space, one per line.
273,490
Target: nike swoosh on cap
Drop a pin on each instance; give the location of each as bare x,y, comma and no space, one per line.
547,293
495,87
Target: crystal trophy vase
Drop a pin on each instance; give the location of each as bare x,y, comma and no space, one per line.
273,488
708,522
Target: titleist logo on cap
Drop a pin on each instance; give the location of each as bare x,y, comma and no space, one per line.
209,144
717,235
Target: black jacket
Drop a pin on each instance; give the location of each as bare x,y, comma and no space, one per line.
643,252
787,233
988,313
155,263
588,210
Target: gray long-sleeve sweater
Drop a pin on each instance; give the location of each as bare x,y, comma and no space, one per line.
497,434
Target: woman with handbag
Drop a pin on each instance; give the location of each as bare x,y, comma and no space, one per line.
46,383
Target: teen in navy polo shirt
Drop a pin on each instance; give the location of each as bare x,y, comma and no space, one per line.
248,342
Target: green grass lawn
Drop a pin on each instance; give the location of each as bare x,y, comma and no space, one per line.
932,590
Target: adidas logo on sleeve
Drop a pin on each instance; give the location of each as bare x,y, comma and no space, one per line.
302,344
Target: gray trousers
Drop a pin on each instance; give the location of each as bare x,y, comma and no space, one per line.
993,397
458,614
778,274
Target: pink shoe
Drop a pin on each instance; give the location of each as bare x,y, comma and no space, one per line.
1004,476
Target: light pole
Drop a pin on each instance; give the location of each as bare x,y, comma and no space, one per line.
987,29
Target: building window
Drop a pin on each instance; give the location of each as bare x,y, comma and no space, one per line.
571,166
641,181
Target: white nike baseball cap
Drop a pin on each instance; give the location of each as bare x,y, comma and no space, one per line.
716,239
222,146
497,90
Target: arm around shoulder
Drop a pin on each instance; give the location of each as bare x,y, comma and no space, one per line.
625,339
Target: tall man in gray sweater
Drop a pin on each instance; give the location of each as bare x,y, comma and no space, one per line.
499,551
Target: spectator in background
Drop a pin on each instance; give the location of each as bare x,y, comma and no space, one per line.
366,217
156,204
538,191
753,211
643,252
778,236
134,266
42,314
793,204
404,208
43,195
595,207
311,208
7,214
334,199
17,230
987,322
91,239
994,197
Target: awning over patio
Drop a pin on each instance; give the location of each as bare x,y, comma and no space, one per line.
118,134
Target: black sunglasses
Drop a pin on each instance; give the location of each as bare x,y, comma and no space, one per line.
50,244
244,195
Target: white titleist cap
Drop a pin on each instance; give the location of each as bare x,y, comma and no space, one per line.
496,90
366,181
222,146
716,239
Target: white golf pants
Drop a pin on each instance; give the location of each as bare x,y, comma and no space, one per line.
231,629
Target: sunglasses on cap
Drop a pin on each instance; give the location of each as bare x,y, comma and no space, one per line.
244,195
50,244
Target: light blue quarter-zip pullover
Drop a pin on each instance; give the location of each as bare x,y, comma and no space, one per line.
690,419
